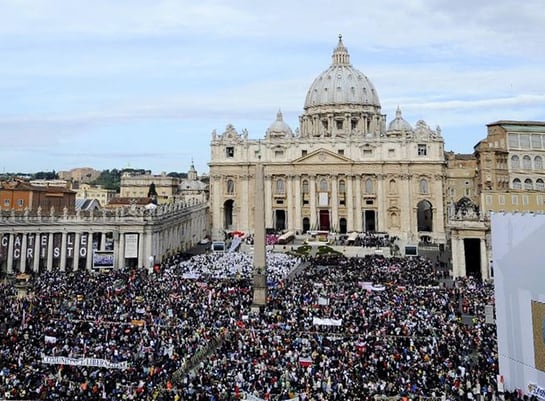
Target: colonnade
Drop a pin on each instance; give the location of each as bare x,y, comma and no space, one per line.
34,244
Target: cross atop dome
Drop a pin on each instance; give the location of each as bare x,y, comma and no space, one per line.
340,54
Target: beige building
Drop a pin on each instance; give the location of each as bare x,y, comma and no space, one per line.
135,185
80,174
345,169
509,178
102,195
511,174
192,189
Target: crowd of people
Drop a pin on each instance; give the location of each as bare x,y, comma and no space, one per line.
335,328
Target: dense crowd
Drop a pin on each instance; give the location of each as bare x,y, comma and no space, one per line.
338,329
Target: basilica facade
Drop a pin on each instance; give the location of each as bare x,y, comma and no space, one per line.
346,168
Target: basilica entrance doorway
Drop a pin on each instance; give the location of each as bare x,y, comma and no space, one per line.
279,220
324,220
369,222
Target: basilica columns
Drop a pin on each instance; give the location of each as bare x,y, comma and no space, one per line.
350,203
313,219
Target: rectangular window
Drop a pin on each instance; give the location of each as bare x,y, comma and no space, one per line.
367,153
20,202
422,149
391,153
501,199
6,202
525,200
230,151
539,200
304,152
340,152
513,141
536,141
339,124
488,200
524,141
514,199
278,153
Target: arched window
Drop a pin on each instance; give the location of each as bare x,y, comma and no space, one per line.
540,185
424,216
305,186
538,163
280,186
423,186
517,184
230,187
528,184
369,186
323,185
342,187
392,187
526,162
228,207
515,161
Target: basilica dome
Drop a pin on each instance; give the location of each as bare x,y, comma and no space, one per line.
341,84
399,123
279,128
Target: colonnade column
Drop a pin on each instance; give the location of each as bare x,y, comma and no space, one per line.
458,256
63,251
50,252
141,260
10,253
350,203
103,241
36,260
119,255
89,264
485,273
75,261
22,267
313,220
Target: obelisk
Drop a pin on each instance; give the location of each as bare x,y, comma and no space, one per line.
260,260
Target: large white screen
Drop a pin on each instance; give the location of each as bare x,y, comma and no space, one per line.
518,254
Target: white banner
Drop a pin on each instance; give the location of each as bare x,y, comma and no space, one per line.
101,363
326,322
323,199
252,397
50,340
131,245
536,391
323,301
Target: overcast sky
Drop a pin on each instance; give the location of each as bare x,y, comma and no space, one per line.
133,83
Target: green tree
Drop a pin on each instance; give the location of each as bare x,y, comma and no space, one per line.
109,179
